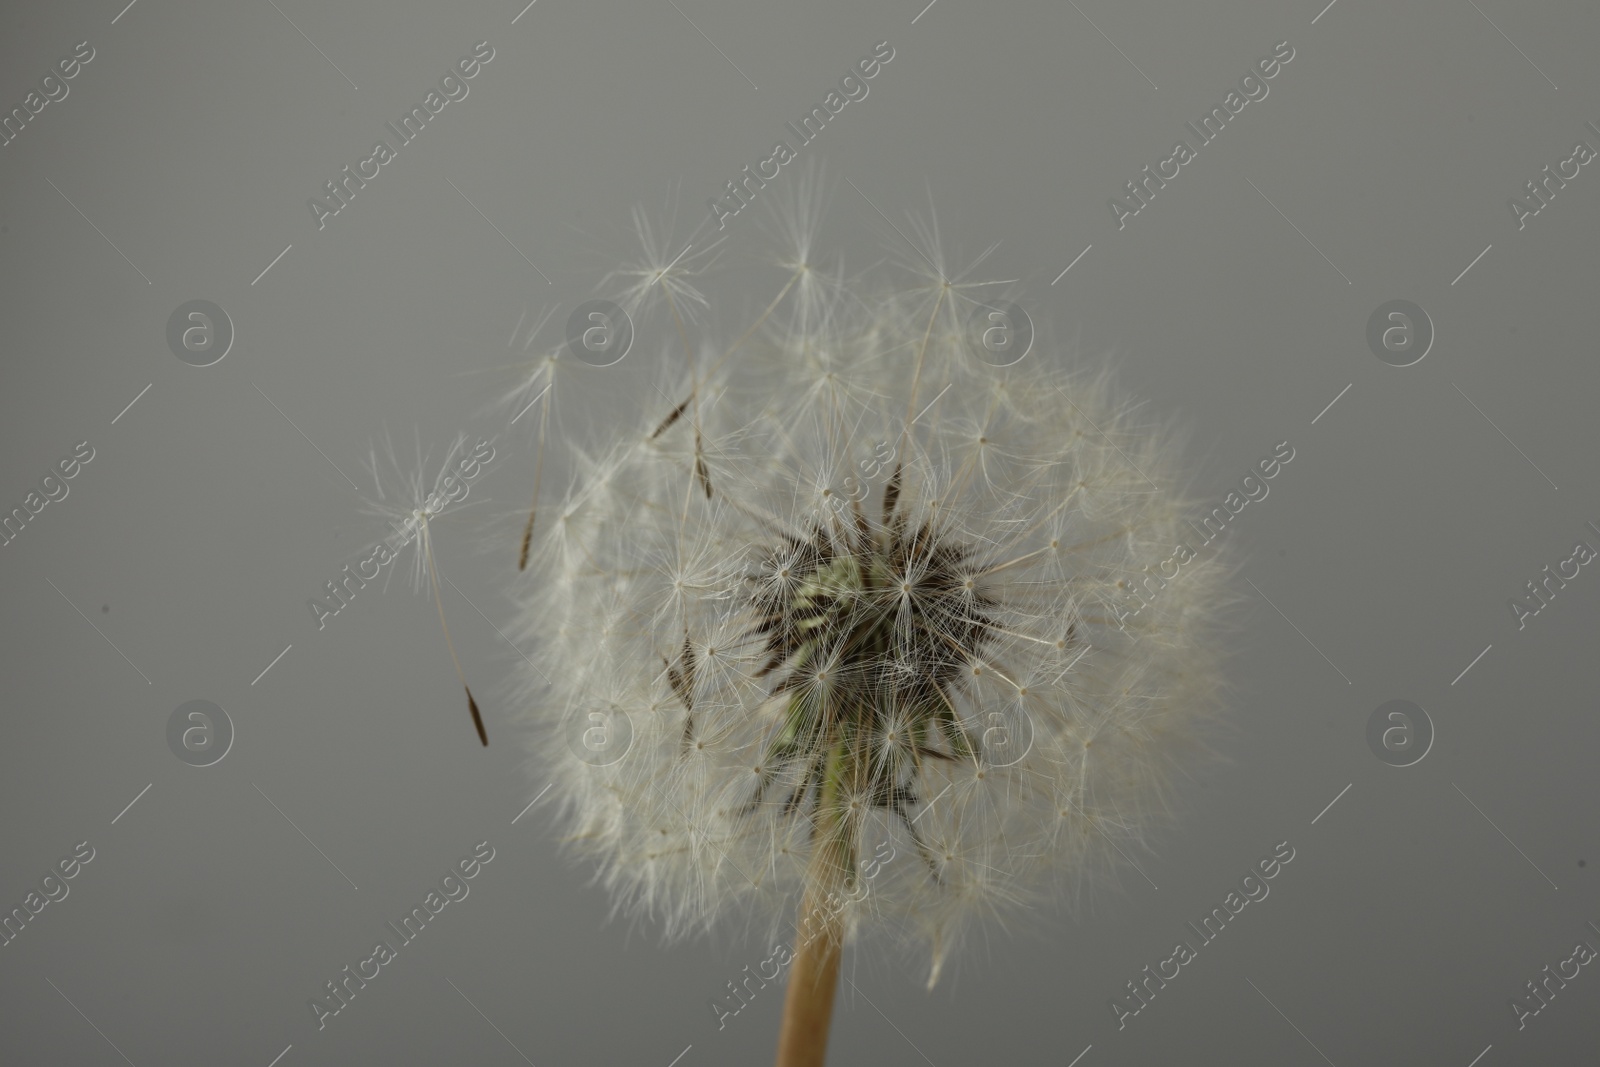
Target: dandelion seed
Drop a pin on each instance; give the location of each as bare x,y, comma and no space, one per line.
411,515
537,387
897,619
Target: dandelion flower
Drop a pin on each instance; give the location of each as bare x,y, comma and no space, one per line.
853,627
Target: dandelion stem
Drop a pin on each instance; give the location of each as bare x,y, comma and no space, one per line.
808,1004
819,929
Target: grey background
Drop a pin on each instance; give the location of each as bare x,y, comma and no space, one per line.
1407,920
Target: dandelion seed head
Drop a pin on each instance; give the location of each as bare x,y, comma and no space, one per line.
867,590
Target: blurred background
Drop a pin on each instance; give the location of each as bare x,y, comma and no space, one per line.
1442,860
